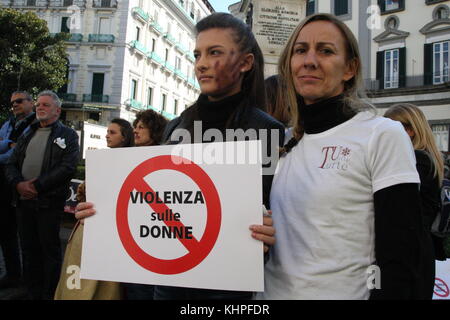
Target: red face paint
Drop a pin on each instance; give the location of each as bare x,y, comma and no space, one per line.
218,63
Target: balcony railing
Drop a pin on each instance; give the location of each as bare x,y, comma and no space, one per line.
139,46
104,4
139,12
70,97
75,37
404,82
101,38
190,57
170,38
180,74
153,108
168,115
136,104
95,98
169,67
155,26
155,58
180,48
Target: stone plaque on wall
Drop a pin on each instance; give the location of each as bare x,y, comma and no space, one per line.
274,22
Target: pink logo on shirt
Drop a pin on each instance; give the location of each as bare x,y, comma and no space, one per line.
335,157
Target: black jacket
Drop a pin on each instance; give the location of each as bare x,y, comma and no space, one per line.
58,167
250,118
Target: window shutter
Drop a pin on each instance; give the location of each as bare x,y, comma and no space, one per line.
428,64
402,67
97,83
382,5
380,69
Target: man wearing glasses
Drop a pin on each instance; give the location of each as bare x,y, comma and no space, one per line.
39,171
23,115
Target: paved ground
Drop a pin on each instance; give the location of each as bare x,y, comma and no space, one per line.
19,293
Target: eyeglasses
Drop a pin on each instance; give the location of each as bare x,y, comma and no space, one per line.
18,101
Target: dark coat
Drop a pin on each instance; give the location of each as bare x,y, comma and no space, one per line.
58,167
250,118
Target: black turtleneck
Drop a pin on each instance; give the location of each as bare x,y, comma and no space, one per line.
216,114
323,115
399,236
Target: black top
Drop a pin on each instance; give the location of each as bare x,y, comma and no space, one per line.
234,113
399,232
216,114
430,195
323,115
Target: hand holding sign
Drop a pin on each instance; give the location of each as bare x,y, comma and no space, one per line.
84,210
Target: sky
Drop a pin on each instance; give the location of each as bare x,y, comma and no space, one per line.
221,5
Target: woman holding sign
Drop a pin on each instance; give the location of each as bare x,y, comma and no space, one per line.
345,198
70,287
229,68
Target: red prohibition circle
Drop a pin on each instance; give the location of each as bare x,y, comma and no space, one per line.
442,286
197,250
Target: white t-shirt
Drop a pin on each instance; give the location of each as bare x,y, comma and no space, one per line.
323,212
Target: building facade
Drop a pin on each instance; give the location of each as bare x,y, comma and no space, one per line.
124,55
404,47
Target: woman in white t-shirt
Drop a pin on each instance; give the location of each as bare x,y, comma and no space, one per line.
345,197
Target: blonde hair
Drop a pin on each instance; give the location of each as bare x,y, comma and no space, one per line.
353,88
413,118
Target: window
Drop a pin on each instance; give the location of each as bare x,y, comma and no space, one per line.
341,7
392,5
65,25
433,1
98,80
441,135
441,12
150,96
31,3
175,106
177,63
440,62
153,45
167,55
310,7
388,6
391,68
138,33
104,26
163,102
133,89
68,3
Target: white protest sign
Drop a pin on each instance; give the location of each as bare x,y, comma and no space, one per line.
163,221
442,280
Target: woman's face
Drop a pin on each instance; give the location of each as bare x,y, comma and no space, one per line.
114,137
219,64
142,135
319,65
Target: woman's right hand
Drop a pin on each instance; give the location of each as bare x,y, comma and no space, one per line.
84,210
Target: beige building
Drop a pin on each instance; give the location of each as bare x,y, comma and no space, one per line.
124,55
404,46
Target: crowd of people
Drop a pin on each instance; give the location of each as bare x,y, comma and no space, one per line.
352,189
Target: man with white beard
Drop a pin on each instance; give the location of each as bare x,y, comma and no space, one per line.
39,170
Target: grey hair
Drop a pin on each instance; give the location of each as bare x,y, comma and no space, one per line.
53,95
25,93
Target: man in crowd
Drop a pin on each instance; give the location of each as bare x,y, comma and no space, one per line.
12,129
39,170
